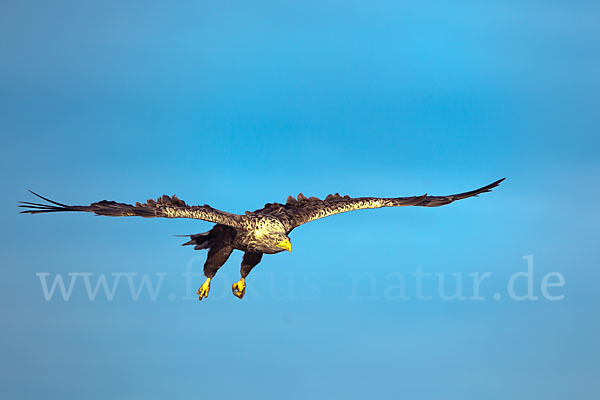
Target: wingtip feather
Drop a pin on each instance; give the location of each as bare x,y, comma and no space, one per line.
48,200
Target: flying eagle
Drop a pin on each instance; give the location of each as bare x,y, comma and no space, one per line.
264,231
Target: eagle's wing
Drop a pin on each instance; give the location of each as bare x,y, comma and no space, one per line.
164,206
300,210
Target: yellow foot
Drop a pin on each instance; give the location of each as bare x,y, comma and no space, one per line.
204,289
239,288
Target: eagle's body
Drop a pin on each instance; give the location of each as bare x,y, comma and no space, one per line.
264,231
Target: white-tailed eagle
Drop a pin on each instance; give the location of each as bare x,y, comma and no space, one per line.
264,231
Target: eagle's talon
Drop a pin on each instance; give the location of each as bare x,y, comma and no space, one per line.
239,288
204,289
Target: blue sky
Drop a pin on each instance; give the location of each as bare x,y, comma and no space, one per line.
236,104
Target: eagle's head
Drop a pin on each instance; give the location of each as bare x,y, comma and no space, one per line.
270,236
275,242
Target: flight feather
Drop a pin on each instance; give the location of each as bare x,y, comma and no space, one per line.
163,207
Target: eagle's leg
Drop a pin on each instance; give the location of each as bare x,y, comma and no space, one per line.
249,261
217,255
204,289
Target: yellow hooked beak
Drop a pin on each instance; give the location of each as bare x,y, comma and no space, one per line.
285,244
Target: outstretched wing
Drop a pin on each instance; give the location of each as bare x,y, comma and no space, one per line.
300,210
164,206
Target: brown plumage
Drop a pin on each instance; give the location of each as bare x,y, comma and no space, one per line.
257,232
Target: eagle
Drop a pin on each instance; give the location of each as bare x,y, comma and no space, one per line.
263,231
